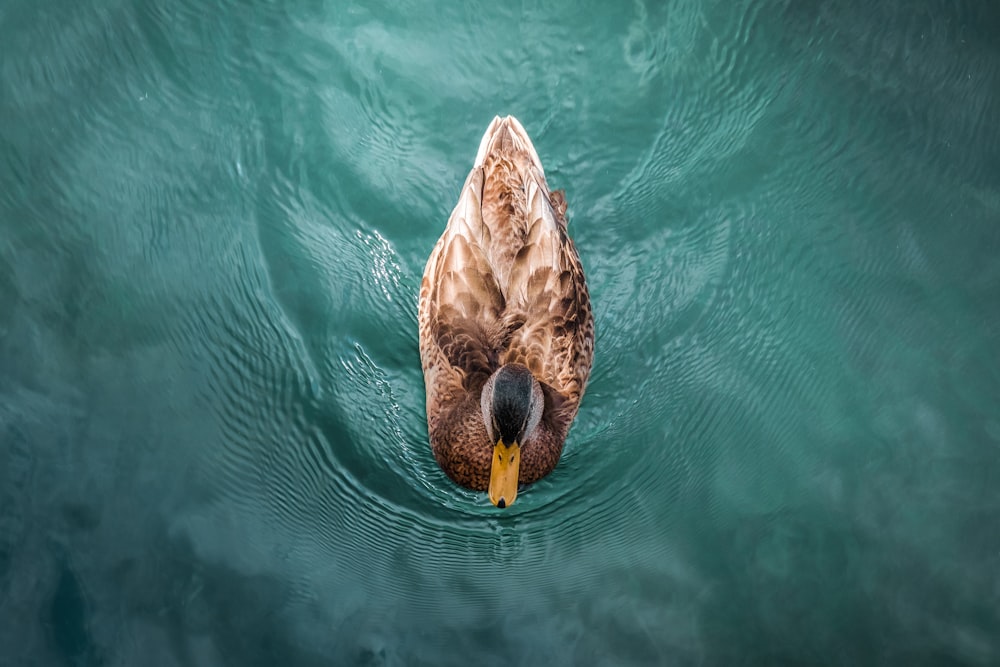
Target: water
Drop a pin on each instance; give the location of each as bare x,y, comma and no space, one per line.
213,223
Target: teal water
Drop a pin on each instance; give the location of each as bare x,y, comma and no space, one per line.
213,223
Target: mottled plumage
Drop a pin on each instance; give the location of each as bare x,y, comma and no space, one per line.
503,285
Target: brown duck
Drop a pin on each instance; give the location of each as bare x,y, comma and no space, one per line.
506,329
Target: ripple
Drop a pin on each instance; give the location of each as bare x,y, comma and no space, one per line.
782,212
397,477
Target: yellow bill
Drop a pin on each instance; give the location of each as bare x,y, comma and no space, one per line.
503,474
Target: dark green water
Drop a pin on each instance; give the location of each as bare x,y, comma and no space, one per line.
214,218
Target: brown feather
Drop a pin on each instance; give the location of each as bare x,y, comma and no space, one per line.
504,284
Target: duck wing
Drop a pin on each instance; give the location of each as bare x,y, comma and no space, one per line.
548,313
461,307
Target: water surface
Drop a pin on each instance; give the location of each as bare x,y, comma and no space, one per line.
213,223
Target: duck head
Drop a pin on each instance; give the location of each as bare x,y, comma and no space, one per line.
512,405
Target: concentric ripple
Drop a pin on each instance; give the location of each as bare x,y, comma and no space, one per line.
214,219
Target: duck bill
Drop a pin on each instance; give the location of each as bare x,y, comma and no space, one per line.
503,473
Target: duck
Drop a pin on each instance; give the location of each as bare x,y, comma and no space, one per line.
506,327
